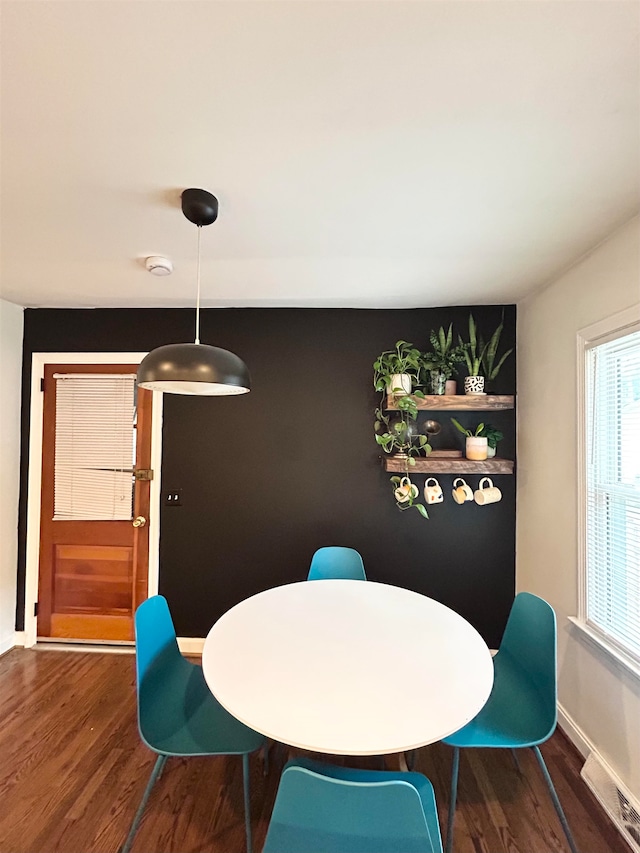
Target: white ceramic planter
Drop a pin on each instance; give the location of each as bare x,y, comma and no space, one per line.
474,384
476,448
491,452
399,381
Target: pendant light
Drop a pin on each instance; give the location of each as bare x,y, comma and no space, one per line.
195,368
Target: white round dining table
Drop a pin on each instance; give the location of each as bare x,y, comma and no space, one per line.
347,667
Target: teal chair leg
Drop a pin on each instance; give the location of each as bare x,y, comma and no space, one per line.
556,801
247,812
516,761
453,797
155,775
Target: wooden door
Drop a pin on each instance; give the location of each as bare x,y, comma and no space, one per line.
94,572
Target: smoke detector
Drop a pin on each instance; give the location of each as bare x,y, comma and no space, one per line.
158,265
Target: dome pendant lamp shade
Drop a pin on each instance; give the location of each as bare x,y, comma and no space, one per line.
195,369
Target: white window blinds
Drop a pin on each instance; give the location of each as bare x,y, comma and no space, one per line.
94,447
613,490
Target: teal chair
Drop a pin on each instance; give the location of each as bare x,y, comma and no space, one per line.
335,562
321,808
177,713
521,710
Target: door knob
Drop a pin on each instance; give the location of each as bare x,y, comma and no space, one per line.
140,521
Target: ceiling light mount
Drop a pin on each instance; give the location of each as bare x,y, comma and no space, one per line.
195,369
199,206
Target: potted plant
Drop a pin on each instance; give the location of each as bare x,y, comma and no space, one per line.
442,359
490,362
474,350
396,371
482,359
476,447
493,436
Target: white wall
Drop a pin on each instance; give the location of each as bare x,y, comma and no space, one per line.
601,697
11,318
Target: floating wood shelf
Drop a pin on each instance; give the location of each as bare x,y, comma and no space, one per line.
459,402
440,465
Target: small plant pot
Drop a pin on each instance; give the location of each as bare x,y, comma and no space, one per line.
400,385
474,385
438,382
451,388
476,448
491,452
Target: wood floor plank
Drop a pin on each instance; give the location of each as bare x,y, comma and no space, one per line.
73,769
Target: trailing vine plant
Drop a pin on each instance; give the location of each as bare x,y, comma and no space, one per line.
397,434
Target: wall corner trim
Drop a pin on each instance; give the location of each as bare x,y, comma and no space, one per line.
575,734
10,642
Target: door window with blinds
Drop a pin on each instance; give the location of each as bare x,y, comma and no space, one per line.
94,447
612,468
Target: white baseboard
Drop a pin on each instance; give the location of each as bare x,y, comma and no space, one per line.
191,645
575,734
602,780
87,648
187,645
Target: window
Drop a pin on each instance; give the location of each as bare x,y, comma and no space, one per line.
611,475
94,447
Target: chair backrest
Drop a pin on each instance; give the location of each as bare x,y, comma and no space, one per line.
335,562
155,635
315,813
530,640
157,657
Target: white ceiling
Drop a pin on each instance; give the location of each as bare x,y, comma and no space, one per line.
368,154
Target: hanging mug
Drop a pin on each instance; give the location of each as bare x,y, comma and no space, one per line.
487,495
433,493
462,492
406,491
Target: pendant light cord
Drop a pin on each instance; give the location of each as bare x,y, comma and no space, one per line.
198,291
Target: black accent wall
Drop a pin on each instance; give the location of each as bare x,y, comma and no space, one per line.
268,477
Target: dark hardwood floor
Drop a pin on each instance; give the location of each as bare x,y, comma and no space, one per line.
72,770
